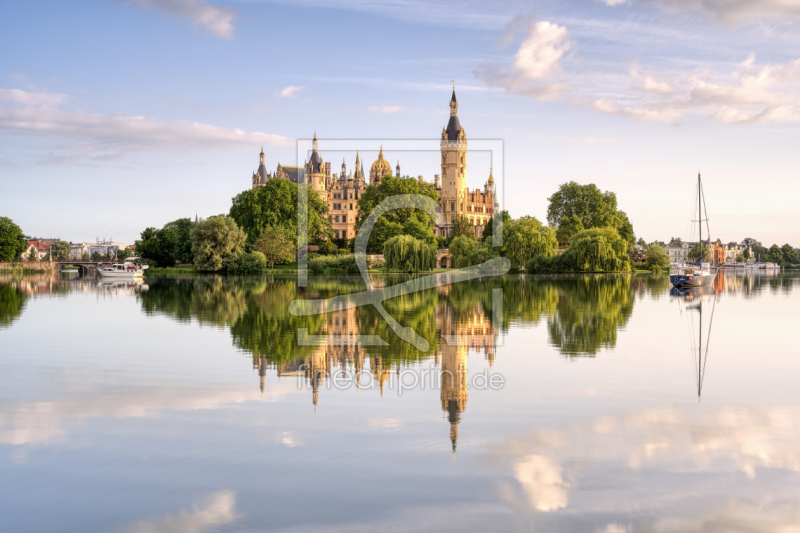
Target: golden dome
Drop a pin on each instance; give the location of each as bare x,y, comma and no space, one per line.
491,178
381,167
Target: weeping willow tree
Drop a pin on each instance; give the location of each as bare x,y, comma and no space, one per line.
407,254
599,250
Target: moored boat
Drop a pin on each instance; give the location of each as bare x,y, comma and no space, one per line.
125,270
698,273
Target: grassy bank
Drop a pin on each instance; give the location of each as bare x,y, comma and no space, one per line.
182,270
25,268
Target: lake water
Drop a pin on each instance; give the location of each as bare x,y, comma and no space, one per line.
580,404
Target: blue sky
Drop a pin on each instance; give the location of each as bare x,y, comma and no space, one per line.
118,115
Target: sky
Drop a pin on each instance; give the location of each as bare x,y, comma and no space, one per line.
117,115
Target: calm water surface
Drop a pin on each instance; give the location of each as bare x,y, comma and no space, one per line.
187,405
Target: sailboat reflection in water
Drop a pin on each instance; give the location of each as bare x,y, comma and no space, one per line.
697,305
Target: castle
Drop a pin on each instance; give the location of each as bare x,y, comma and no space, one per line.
341,191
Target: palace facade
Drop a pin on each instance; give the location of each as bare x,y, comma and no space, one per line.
342,191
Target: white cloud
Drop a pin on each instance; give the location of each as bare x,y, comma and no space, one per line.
735,517
751,94
542,482
535,69
614,2
34,421
26,98
550,463
385,109
651,84
733,11
90,135
614,528
541,51
216,21
207,514
289,91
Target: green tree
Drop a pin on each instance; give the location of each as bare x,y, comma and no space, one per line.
12,241
183,242
789,255
697,249
746,254
740,258
406,254
595,209
275,204
527,237
567,227
60,250
462,226
461,248
216,242
33,254
278,245
122,255
523,238
657,257
406,221
158,245
96,256
774,255
248,263
675,239
625,228
85,256
488,229
641,242
599,250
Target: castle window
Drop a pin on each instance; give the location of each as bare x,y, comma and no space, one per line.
452,219
344,218
452,207
336,219
351,205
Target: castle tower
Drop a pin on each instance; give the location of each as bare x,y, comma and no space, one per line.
454,155
358,174
344,169
490,183
316,170
397,169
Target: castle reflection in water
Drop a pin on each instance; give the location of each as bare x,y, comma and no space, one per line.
344,358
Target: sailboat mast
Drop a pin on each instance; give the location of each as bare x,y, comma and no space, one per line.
700,356
700,216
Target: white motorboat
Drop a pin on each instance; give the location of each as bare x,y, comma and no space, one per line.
125,270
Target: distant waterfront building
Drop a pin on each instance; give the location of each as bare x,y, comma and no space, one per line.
77,250
41,247
341,192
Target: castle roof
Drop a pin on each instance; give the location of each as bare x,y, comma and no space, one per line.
292,173
381,167
453,128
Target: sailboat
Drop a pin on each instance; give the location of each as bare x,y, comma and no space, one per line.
698,273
